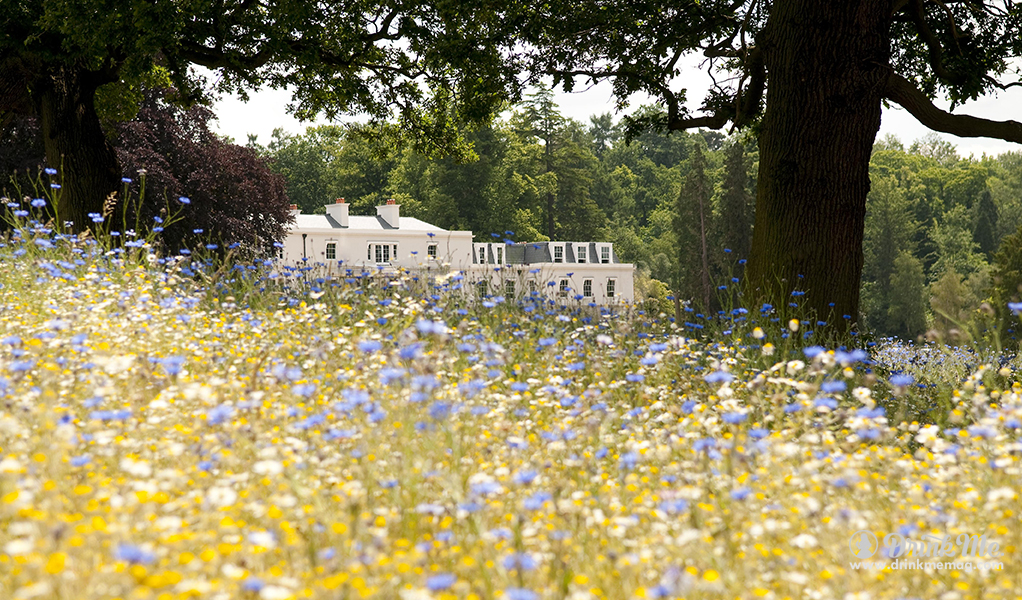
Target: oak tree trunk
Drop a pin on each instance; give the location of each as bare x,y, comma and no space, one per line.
825,82
75,143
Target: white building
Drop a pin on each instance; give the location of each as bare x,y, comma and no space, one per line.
337,242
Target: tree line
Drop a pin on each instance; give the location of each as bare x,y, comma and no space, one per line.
680,205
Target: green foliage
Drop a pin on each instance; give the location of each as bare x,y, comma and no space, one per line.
948,213
691,225
1006,287
907,298
985,231
735,202
956,251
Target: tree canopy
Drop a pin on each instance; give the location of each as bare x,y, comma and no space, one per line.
429,64
808,77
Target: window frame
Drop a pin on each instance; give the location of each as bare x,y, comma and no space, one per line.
612,287
331,248
605,249
587,288
581,254
431,250
557,248
381,253
563,288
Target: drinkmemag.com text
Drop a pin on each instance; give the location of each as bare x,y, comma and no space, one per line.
963,552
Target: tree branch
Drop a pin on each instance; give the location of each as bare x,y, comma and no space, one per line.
918,17
716,120
901,91
749,102
669,97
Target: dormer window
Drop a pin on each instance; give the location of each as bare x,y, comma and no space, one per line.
605,254
500,255
482,255
558,253
580,253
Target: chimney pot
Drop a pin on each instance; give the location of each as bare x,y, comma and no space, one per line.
340,201
391,201
294,207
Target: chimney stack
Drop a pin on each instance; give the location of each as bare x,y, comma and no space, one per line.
338,211
390,213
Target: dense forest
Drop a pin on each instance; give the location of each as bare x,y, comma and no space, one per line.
680,206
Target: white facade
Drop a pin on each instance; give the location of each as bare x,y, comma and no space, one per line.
563,271
339,241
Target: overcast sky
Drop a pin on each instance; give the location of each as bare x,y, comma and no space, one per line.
267,109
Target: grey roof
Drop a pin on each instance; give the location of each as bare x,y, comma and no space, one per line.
374,223
526,253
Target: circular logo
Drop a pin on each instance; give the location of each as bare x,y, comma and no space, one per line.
863,544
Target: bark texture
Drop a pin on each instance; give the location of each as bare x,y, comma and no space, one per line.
75,143
826,78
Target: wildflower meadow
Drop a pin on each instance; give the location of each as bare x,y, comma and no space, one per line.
174,426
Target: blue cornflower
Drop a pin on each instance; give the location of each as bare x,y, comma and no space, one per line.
184,200
734,418
848,358
813,351
252,584
520,561
536,501
368,346
826,402
38,203
80,461
134,554
219,414
903,379
520,594
718,377
833,387
740,493
525,477
628,461
675,506
484,488
173,364
441,582
110,415
431,327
